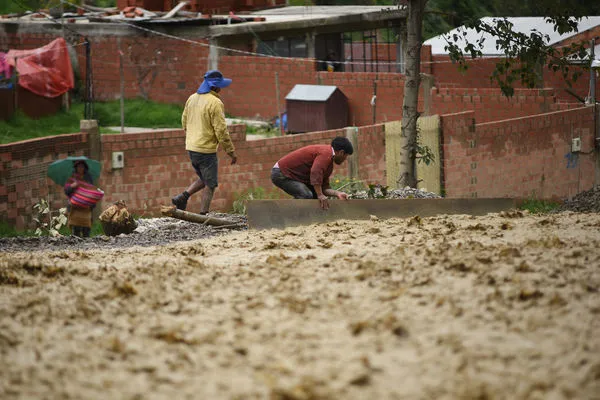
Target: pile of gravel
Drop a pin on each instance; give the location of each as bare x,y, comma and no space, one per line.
150,232
406,193
584,202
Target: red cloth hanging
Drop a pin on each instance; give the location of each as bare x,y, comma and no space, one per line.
45,71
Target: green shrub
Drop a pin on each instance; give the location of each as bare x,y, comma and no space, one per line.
48,222
346,184
536,206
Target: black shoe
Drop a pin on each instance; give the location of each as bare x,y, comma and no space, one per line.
180,201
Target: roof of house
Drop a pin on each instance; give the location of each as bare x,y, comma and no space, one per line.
306,17
273,21
294,13
311,92
520,24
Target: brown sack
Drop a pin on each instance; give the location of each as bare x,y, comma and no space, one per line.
116,220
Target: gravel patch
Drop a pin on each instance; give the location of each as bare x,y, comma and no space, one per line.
584,202
160,231
150,232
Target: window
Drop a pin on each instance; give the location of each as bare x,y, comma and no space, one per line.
283,47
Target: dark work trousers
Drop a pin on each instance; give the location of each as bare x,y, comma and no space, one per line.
294,188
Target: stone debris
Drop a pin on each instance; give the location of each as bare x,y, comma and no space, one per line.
584,202
149,232
380,192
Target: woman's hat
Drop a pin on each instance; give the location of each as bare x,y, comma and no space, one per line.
213,78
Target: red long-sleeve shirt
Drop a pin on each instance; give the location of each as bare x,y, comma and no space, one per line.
311,165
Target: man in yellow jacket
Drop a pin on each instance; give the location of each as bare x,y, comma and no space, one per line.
203,121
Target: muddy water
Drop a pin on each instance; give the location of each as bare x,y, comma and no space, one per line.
505,306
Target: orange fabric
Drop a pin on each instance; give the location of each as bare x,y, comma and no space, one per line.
45,71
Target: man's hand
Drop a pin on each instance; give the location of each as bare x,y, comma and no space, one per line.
233,158
342,195
323,202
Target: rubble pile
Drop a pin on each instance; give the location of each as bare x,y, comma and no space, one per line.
379,192
584,202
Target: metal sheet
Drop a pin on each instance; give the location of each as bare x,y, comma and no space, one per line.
280,214
311,92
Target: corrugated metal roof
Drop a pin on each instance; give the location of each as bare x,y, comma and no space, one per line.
294,13
311,92
524,25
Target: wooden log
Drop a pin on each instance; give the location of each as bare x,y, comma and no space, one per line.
172,211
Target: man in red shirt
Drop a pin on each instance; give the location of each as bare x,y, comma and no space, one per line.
304,173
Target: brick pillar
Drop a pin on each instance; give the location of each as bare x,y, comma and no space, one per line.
353,165
597,143
213,54
427,83
90,126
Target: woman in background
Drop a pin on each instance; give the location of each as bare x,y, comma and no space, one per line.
79,218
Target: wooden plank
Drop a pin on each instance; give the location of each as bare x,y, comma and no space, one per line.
175,10
280,214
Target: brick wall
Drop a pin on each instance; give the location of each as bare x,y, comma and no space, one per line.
524,157
157,167
18,40
490,104
513,158
480,70
253,91
167,70
23,175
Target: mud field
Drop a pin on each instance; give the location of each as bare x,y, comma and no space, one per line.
504,306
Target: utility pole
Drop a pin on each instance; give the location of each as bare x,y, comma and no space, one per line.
89,97
593,73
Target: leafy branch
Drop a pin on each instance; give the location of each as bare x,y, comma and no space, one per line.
524,54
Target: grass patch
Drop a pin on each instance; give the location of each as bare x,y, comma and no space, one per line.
259,193
9,231
346,184
263,131
535,206
21,127
138,113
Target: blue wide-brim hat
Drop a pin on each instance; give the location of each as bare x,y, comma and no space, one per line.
213,78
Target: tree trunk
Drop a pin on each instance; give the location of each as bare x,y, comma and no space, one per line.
407,172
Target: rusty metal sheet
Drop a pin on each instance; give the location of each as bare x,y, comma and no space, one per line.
279,214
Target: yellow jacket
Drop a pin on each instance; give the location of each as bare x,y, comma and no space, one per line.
203,121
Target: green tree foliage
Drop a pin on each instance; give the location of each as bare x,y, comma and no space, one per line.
543,8
22,6
444,15
524,53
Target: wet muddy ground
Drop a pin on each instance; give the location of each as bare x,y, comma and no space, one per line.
503,306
